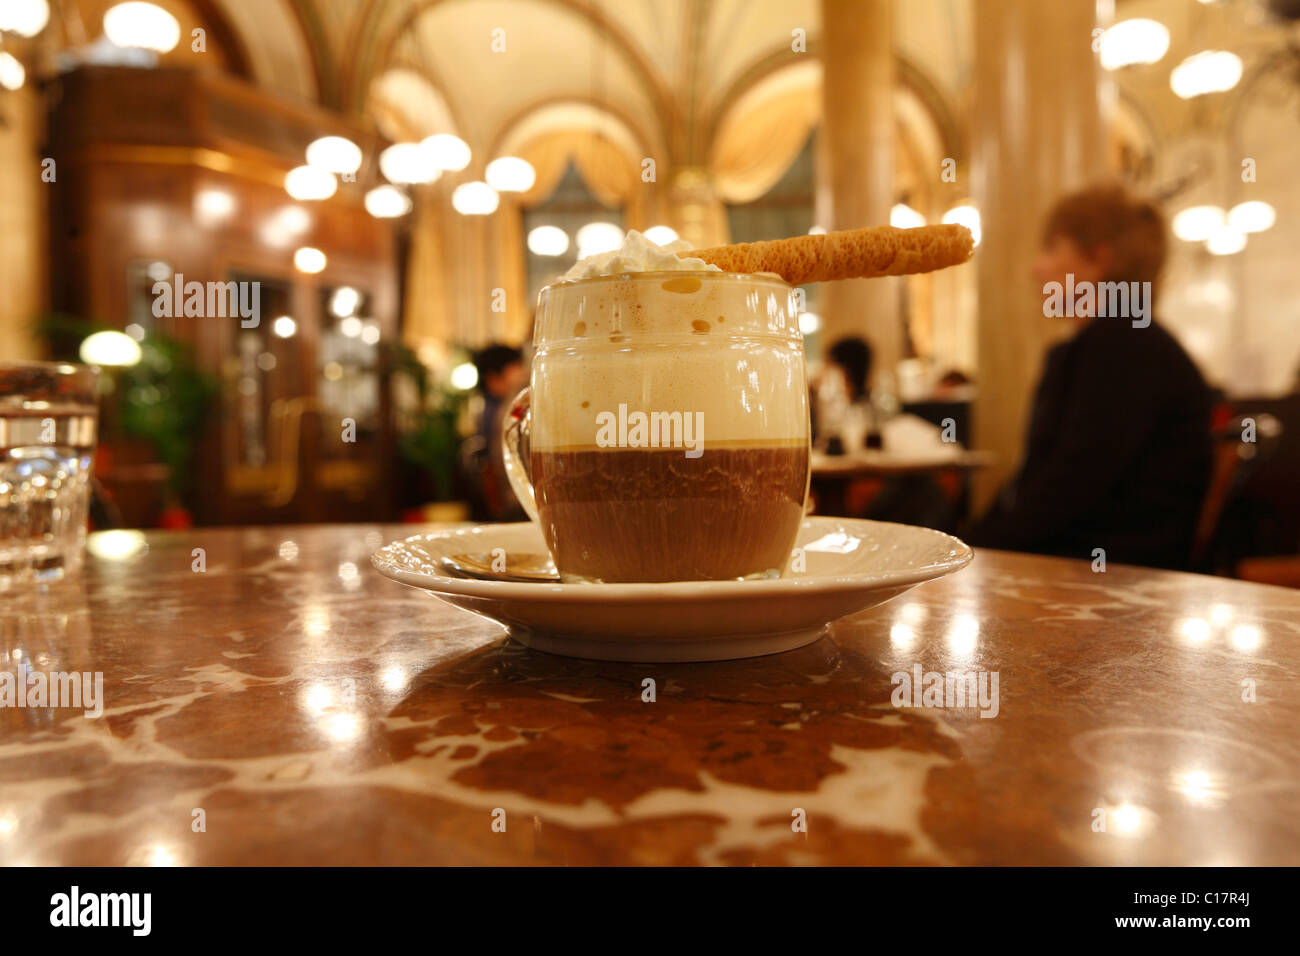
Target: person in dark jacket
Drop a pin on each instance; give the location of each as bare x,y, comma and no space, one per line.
501,374
1118,452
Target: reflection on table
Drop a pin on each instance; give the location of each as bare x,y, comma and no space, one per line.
317,713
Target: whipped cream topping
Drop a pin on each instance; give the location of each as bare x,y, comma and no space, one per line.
638,254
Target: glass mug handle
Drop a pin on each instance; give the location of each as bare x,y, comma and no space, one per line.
514,450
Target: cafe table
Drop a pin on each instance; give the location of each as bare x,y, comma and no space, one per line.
832,474
268,698
883,463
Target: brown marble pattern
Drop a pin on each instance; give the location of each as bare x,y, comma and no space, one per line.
319,714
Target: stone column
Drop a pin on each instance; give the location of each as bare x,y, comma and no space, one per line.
23,213
696,212
856,166
1037,134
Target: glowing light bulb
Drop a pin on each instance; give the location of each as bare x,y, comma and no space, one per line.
387,202
548,241
24,17
1212,71
597,237
310,183
464,376
142,25
903,216
447,152
965,215
661,235
309,260
334,154
1133,41
475,199
408,163
1198,223
110,348
1254,216
510,174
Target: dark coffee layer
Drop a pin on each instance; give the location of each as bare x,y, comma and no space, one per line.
623,514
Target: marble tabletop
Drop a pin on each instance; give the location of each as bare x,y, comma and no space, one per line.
268,698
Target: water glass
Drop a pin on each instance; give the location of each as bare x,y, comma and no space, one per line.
48,418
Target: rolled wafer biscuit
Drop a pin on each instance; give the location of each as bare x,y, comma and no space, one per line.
850,254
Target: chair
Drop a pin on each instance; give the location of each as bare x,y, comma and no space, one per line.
1282,570
1234,460
471,465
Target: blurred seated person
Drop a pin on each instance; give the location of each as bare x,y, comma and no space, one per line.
842,400
851,417
1118,451
954,386
501,376
851,356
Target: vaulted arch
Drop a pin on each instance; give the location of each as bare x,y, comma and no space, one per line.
379,37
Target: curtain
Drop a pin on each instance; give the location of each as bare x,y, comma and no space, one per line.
426,312
753,148
507,241
613,176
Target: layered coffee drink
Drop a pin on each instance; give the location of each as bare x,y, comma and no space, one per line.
669,434
651,515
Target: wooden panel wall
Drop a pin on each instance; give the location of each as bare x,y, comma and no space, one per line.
135,148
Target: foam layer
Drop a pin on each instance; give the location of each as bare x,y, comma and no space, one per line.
665,303
726,346
637,254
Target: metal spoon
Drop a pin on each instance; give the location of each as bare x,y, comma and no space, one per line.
520,568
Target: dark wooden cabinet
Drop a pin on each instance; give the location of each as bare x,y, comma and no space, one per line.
164,172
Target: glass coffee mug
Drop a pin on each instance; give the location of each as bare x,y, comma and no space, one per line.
665,433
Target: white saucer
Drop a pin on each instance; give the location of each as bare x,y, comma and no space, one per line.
850,565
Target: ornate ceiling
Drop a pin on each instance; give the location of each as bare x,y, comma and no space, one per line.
666,78
665,72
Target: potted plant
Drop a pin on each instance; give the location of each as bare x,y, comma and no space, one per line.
430,426
162,400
